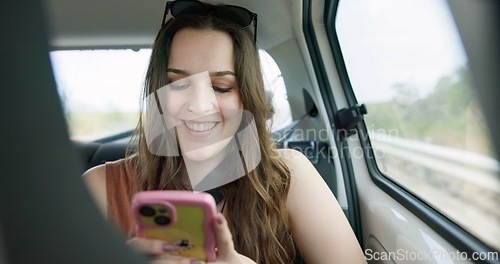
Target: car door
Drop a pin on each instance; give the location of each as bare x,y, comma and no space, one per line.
421,174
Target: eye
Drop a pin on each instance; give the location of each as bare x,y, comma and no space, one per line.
222,90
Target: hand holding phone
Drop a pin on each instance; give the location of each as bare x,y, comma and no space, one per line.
181,218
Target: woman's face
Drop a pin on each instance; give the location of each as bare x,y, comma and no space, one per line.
202,99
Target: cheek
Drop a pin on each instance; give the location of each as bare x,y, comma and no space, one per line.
232,102
231,109
172,105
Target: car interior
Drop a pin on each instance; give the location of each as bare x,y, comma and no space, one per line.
46,212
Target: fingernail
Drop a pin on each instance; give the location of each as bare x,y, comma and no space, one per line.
220,220
168,248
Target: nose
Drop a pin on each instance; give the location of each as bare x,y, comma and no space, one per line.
203,98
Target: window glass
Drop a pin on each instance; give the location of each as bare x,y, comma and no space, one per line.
406,63
100,90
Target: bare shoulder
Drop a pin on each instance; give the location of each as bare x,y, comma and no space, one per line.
312,209
294,158
305,179
304,176
95,179
299,165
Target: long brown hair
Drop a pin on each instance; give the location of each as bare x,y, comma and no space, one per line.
256,203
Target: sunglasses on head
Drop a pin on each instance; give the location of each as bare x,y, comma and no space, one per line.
235,14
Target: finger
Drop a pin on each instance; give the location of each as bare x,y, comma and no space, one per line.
151,247
224,239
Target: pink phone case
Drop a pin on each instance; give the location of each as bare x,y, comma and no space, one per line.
182,218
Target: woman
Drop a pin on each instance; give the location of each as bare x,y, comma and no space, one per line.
204,90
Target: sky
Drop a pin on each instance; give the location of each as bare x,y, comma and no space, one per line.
385,42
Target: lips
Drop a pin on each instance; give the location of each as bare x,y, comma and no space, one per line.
200,126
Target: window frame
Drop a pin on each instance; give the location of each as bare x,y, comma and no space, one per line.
353,213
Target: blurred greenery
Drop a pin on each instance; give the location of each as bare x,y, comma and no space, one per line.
87,126
449,116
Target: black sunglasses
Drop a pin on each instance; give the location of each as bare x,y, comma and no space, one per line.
235,14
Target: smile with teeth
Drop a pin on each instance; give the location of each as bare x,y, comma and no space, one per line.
200,126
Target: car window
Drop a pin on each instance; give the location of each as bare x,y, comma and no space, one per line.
406,62
100,90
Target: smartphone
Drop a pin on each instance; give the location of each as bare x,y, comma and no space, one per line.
181,218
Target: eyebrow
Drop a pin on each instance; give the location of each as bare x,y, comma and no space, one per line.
211,74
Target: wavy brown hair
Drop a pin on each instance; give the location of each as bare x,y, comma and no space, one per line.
256,203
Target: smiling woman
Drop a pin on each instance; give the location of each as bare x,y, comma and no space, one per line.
424,196
202,100
204,119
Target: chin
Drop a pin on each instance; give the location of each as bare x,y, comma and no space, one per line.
207,152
